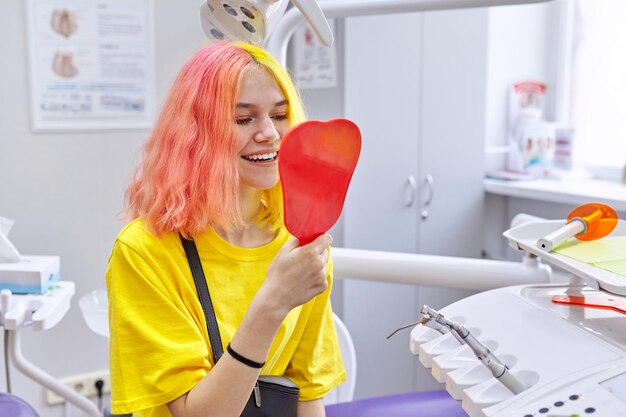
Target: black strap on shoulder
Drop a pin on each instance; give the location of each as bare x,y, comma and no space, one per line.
205,297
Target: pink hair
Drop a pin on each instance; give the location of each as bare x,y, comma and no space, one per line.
188,180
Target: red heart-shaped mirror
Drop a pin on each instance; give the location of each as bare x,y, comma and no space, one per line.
316,162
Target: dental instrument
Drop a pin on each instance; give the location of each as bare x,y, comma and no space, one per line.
498,369
588,222
427,322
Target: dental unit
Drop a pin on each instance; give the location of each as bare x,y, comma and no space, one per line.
553,348
32,295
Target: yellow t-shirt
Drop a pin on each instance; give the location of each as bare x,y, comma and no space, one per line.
159,347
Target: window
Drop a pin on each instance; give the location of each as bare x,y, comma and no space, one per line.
598,84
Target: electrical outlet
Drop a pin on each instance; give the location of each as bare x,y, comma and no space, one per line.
84,384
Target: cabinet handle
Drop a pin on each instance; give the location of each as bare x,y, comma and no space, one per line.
412,191
430,189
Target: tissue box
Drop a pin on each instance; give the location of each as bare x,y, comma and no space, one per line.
33,275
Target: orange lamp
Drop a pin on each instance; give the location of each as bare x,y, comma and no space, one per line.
587,222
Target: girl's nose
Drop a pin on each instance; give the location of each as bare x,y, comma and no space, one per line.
267,131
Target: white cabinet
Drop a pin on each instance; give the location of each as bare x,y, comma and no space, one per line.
415,84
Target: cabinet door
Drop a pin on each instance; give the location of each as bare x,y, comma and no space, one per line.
452,139
415,85
382,72
453,131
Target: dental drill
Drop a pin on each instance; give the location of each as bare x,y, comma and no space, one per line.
431,323
498,369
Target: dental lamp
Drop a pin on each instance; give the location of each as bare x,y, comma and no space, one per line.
252,21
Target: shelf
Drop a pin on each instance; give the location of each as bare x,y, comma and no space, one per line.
574,192
42,311
524,238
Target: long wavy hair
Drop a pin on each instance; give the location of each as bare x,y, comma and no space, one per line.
188,179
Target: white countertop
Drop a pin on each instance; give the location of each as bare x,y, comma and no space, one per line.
562,191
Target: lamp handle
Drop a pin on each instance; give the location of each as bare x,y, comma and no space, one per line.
316,19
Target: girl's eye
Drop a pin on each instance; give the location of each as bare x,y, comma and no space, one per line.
243,121
280,117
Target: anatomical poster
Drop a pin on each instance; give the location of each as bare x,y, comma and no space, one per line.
91,64
314,64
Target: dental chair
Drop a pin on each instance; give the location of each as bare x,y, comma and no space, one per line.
339,403
12,406
344,392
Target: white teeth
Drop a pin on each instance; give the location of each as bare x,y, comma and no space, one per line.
261,157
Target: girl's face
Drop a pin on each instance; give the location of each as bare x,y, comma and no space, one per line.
261,121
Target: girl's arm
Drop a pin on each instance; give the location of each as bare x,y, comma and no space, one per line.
296,275
225,390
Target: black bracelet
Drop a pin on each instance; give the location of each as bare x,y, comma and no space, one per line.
243,359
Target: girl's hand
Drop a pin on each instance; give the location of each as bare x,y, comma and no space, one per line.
297,274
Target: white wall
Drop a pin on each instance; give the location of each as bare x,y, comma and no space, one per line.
522,46
65,190
523,42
